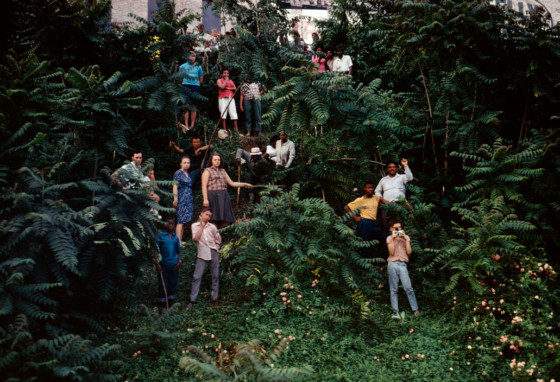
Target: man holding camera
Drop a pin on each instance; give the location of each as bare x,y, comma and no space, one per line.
398,244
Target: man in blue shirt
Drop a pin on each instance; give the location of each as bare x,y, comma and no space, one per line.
168,268
192,79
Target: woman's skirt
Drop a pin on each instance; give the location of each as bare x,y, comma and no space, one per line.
220,203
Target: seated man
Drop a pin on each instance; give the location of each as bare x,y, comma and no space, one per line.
196,153
257,167
367,227
130,174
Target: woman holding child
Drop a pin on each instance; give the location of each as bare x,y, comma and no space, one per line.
214,191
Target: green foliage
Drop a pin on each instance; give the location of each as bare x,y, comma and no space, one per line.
249,362
303,238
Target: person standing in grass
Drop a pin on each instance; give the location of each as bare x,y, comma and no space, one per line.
226,91
398,244
208,241
168,267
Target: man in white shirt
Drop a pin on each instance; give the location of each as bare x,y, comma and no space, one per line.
341,62
285,151
393,186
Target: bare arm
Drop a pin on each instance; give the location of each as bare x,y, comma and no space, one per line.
231,183
231,88
241,102
390,246
176,148
175,195
356,217
200,79
221,84
204,182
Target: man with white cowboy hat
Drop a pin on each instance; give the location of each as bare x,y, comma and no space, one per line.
257,166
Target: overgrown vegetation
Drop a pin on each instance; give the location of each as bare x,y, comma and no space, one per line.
467,91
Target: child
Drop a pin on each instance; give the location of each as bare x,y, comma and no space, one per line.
208,241
168,267
367,226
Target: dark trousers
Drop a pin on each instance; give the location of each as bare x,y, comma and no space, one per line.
170,280
194,174
199,272
369,230
252,109
254,180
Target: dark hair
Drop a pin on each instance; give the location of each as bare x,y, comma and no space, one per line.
135,151
185,156
195,137
391,162
392,222
223,70
213,155
369,182
204,209
340,47
273,139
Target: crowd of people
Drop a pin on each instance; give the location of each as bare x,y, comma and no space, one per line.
217,212
201,166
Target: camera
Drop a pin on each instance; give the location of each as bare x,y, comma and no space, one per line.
399,233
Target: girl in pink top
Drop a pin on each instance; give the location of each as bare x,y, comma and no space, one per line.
320,60
226,90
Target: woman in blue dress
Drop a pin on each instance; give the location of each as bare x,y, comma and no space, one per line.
183,196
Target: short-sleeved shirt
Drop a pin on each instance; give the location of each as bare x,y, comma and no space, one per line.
130,175
226,93
370,206
399,246
196,160
191,73
250,91
169,248
342,64
217,179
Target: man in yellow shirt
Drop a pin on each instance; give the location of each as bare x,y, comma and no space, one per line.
367,225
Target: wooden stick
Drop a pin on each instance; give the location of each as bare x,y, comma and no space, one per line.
350,159
238,181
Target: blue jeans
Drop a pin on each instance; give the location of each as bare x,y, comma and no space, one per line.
170,278
368,230
252,109
398,271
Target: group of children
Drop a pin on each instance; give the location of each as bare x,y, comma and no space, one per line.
208,241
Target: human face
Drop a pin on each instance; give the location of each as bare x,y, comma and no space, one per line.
368,189
225,74
192,57
185,164
216,161
396,227
392,169
196,143
137,159
319,49
205,216
338,52
284,137
329,54
169,225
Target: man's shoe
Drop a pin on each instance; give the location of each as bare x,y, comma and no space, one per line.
189,306
396,316
417,312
